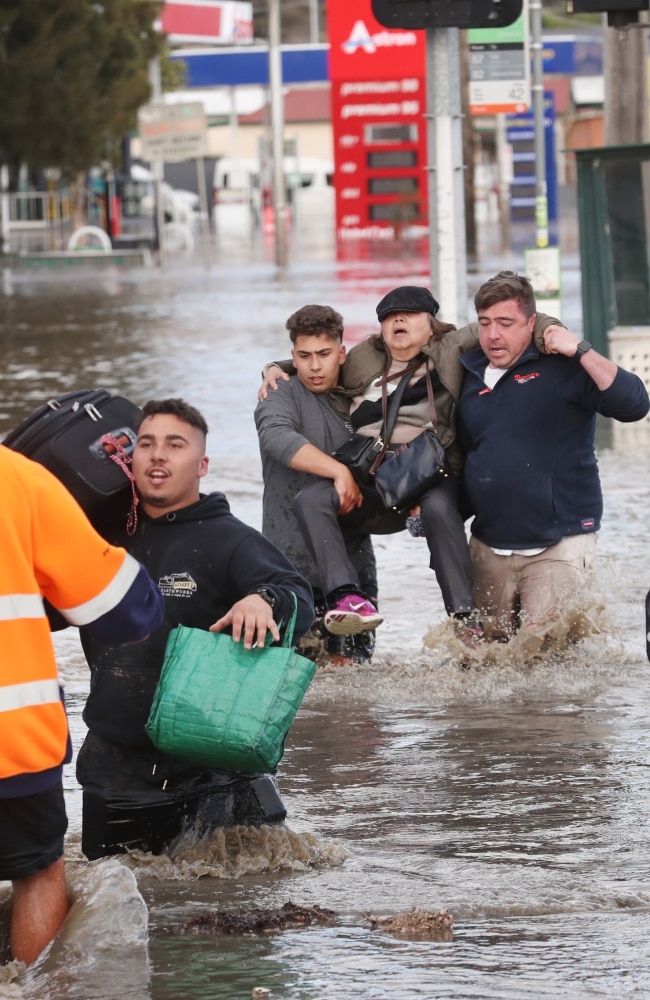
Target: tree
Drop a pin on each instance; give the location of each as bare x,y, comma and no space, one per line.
73,74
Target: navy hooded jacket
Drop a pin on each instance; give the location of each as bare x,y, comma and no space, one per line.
203,559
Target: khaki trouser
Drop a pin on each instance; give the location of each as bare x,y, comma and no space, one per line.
530,590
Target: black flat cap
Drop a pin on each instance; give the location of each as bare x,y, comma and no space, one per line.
407,298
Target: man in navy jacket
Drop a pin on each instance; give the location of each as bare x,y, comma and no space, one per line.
527,427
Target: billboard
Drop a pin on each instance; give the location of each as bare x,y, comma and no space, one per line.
211,22
379,125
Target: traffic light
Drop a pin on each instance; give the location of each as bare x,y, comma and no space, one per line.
448,13
619,12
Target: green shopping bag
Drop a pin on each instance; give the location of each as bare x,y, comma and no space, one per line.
224,706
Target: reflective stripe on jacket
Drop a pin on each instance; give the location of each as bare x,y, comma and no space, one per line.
48,549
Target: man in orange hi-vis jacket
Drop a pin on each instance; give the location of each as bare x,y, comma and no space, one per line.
48,550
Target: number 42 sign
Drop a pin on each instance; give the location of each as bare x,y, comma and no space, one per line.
499,68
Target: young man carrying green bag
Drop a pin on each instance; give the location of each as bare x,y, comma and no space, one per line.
217,574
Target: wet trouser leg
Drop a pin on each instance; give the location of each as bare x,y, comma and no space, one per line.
362,556
447,541
137,798
317,512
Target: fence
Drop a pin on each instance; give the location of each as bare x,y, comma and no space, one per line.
45,220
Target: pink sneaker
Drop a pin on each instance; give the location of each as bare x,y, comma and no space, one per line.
351,615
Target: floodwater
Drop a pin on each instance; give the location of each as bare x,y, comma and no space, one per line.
514,794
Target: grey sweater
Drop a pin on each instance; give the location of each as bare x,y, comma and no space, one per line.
289,418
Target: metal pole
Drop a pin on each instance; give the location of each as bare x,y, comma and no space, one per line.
503,175
157,167
448,253
4,209
314,33
541,194
203,202
277,128
626,83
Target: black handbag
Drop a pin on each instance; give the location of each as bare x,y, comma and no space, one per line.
363,454
409,470
360,454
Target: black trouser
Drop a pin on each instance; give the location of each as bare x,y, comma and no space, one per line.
317,511
135,799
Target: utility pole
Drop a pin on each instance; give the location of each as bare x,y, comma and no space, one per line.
537,87
314,33
626,83
446,195
277,129
467,131
157,167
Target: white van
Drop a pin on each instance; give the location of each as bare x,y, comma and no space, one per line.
239,193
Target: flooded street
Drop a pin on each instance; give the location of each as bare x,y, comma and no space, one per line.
515,794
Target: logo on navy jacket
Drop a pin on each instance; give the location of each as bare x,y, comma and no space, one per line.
518,378
177,585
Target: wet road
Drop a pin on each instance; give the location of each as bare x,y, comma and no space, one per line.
514,794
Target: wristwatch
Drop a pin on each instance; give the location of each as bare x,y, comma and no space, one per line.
582,348
267,596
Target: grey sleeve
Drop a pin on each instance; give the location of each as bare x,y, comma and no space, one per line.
278,422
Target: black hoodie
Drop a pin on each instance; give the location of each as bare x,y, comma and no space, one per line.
204,560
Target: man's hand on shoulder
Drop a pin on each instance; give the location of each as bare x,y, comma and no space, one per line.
559,340
250,619
272,375
600,369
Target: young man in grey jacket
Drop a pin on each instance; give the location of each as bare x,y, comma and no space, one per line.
298,431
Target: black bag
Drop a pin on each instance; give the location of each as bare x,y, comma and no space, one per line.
66,435
399,474
409,471
363,454
360,454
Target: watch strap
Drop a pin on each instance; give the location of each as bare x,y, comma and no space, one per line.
267,596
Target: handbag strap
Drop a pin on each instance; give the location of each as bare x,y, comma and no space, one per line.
432,404
390,411
287,638
396,398
390,408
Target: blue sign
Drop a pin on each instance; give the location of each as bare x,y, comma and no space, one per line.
241,66
520,134
572,55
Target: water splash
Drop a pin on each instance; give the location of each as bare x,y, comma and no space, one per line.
107,917
229,853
